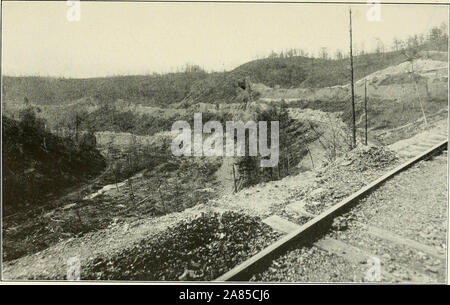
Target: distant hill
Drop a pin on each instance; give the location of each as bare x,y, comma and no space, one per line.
218,87
306,72
148,89
291,72
316,73
197,86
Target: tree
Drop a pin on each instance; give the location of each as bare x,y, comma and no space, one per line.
397,44
273,55
323,53
302,53
74,121
379,49
435,34
421,39
413,42
438,37
362,49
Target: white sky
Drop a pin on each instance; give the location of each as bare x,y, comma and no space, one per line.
137,38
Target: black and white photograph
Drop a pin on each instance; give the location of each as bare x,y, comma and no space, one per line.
224,142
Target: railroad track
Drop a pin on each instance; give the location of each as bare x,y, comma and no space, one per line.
313,232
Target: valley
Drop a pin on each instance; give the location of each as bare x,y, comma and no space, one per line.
108,184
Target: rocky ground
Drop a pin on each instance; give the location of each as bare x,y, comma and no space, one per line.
413,206
202,248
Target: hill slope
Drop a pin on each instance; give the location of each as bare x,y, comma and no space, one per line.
197,85
37,163
311,72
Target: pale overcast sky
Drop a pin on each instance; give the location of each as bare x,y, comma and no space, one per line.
138,38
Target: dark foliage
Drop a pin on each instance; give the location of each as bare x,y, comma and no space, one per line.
294,137
37,163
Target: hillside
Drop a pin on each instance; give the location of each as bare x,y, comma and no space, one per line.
397,95
312,72
153,89
195,85
37,164
192,85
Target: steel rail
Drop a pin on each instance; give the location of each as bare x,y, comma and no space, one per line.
311,230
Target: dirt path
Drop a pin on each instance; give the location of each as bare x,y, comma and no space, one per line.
225,176
413,146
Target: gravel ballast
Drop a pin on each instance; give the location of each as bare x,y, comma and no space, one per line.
412,205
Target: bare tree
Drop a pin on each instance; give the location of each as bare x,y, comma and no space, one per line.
379,49
397,44
323,53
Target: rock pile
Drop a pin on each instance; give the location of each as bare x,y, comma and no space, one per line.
202,248
370,157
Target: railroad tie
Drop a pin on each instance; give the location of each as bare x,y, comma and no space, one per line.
409,153
333,246
298,207
422,145
350,253
280,224
435,138
400,240
442,157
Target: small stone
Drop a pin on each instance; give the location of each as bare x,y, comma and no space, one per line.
316,192
432,269
347,163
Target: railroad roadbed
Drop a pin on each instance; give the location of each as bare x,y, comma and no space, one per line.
315,223
395,234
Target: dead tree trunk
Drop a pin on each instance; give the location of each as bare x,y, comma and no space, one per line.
365,110
418,94
234,179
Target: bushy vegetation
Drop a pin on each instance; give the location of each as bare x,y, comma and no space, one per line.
294,137
167,184
108,118
37,163
294,68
